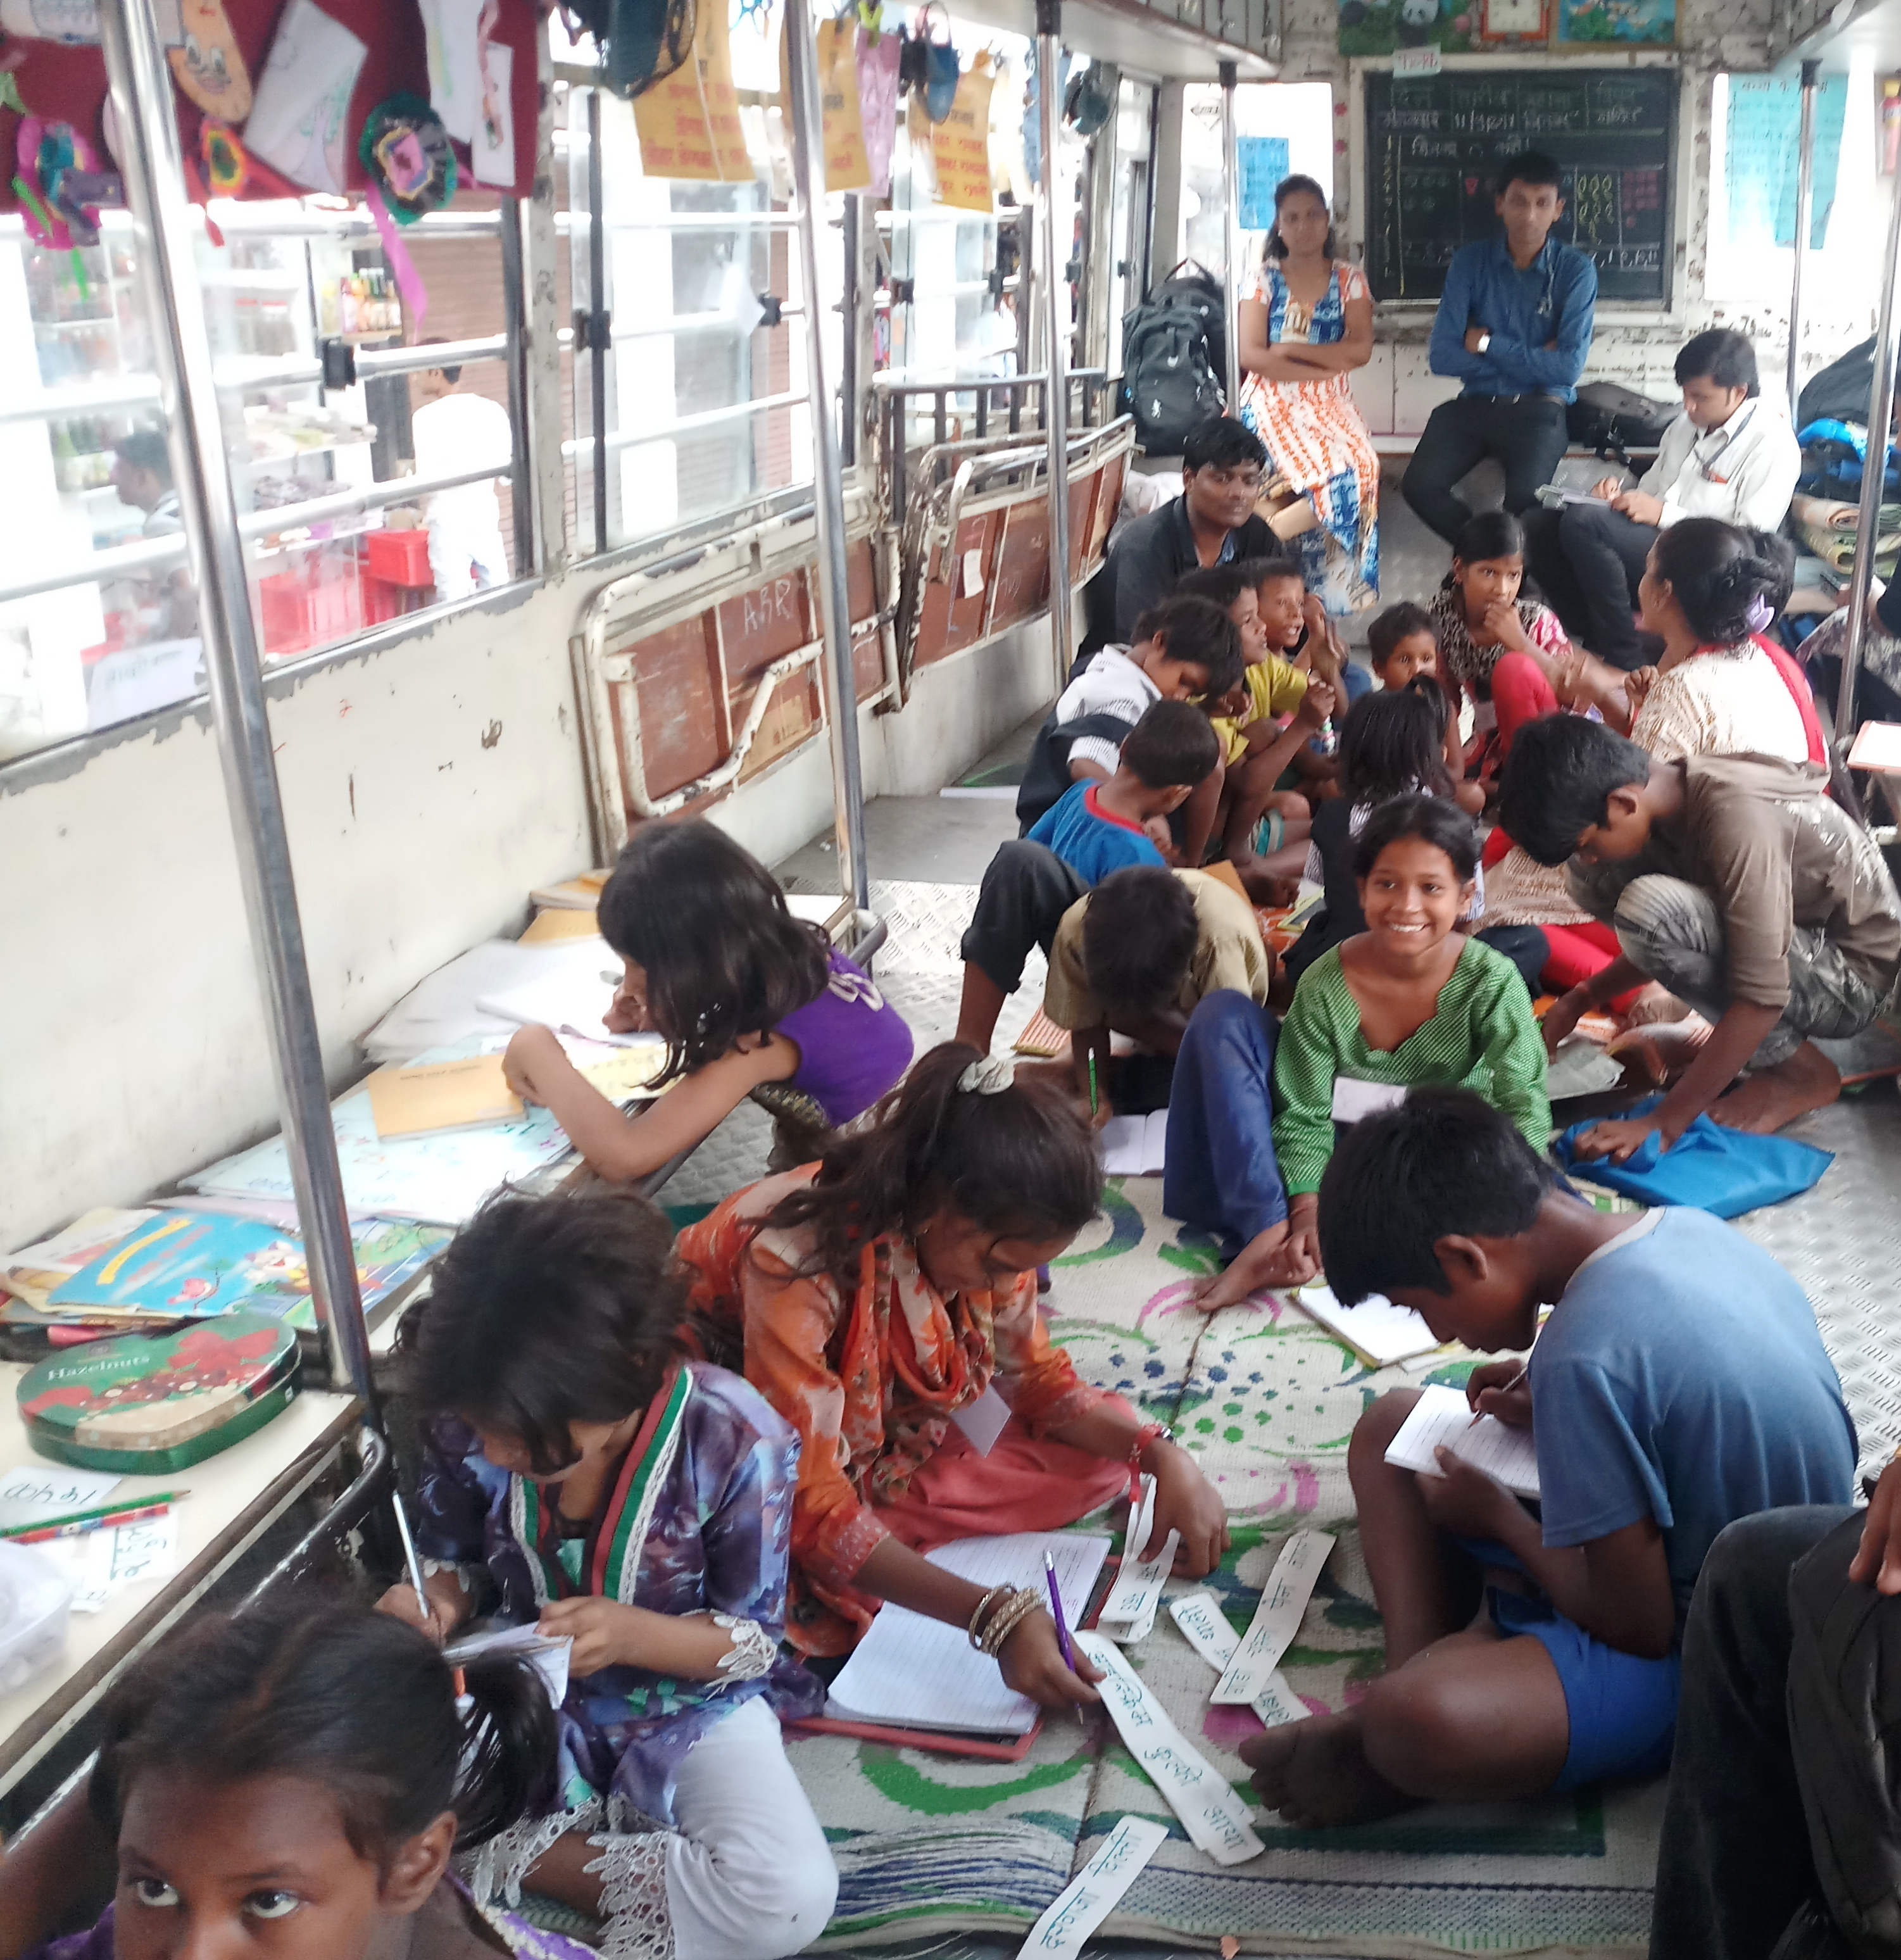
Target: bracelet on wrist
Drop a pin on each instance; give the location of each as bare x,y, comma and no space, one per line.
1008,1618
982,1612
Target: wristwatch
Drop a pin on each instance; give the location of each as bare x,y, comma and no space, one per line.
1485,340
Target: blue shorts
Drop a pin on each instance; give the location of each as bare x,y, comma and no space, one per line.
1621,1708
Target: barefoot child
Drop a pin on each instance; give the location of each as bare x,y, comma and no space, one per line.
876,1298
748,996
581,1478
1680,1384
1410,1001
292,1783
1770,911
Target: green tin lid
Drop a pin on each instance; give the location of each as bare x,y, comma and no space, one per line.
139,1403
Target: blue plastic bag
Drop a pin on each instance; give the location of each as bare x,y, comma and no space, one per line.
1726,1172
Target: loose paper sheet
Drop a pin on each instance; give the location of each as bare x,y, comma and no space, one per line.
1354,1099
549,1658
962,144
99,1563
1214,1817
1089,1897
37,1491
1129,1612
299,121
1206,1628
982,1421
1375,1329
1277,1704
491,151
1276,1619
1442,1418
451,33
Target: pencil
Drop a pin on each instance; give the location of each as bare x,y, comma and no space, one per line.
94,1513
1524,1370
79,1527
1092,1100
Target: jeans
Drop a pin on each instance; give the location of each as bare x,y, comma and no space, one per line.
1527,435
1220,1173
1026,890
1673,933
1734,1864
1587,559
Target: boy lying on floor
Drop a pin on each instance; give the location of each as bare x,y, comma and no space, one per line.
1680,1384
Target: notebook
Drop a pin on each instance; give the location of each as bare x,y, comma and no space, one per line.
441,1096
577,894
572,1000
1442,1418
559,922
914,1673
1134,1146
1380,1333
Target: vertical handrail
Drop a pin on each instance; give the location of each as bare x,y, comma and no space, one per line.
597,312
1231,229
848,339
1805,219
165,227
829,489
1874,475
514,298
1056,390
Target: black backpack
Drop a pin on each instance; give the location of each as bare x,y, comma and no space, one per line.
1613,421
1192,286
1168,382
1840,393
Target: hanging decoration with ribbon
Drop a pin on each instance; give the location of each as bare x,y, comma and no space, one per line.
60,185
411,168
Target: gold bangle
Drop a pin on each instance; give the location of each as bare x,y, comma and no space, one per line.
981,1615
1008,1618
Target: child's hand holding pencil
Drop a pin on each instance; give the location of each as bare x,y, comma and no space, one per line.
1502,1388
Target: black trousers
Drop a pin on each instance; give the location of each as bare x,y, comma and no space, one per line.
1526,435
1733,1865
1587,559
1524,946
1026,890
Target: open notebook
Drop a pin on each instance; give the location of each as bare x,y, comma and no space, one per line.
1442,1418
1135,1146
915,1673
1377,1331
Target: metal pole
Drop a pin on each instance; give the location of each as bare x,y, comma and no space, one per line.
597,313
165,228
1056,366
514,301
1804,218
1874,471
828,487
1231,226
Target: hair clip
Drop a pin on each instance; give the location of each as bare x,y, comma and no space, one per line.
1759,615
986,1076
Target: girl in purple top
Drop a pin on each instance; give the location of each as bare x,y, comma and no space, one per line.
292,1783
749,999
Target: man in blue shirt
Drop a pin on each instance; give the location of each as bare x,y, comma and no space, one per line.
1514,325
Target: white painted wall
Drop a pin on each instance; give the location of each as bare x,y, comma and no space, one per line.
426,788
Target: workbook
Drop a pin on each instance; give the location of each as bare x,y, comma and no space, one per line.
441,1096
910,1672
1442,1418
1135,1146
1380,1333
573,999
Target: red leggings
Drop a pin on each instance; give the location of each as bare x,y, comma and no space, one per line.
1520,693
1577,951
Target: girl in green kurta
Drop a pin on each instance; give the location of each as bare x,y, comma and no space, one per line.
1411,1000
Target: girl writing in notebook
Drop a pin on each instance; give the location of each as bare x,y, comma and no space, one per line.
875,1298
752,1002
1410,1000
582,1477
291,1783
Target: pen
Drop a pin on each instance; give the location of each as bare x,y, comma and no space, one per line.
409,1557
1056,1613
116,1513
1092,1101
78,1527
1524,1368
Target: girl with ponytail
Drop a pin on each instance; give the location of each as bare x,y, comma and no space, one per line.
876,1297
583,1475
292,1783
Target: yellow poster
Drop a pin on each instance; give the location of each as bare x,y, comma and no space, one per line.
962,142
689,124
848,167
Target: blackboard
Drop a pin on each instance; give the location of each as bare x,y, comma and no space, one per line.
1433,148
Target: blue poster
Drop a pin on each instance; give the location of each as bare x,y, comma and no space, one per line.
1263,163
1764,139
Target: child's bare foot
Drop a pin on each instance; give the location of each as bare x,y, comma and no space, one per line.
1316,1775
1763,1102
1660,1051
1654,1002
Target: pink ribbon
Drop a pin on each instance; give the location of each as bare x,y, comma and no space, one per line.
403,267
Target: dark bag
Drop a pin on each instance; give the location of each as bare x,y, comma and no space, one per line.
1840,393
1168,382
1192,287
643,41
1046,771
1614,420
1845,1721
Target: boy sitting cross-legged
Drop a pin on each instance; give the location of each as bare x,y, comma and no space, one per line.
1679,1385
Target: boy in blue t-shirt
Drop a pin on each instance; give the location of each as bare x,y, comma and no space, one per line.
1680,1384
1098,827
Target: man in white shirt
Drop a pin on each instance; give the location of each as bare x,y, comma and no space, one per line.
1729,455
455,430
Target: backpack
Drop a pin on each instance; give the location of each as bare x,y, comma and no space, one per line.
643,41
1613,420
1839,393
1192,286
1168,382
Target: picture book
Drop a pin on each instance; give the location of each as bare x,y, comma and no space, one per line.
197,1264
34,1271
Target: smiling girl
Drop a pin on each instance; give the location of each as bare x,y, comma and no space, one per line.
289,1785
1410,1001
878,1299
584,1477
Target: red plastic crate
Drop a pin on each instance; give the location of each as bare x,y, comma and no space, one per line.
400,558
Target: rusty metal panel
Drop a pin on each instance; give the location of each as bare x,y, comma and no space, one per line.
791,717
677,672
954,611
1022,572
767,621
